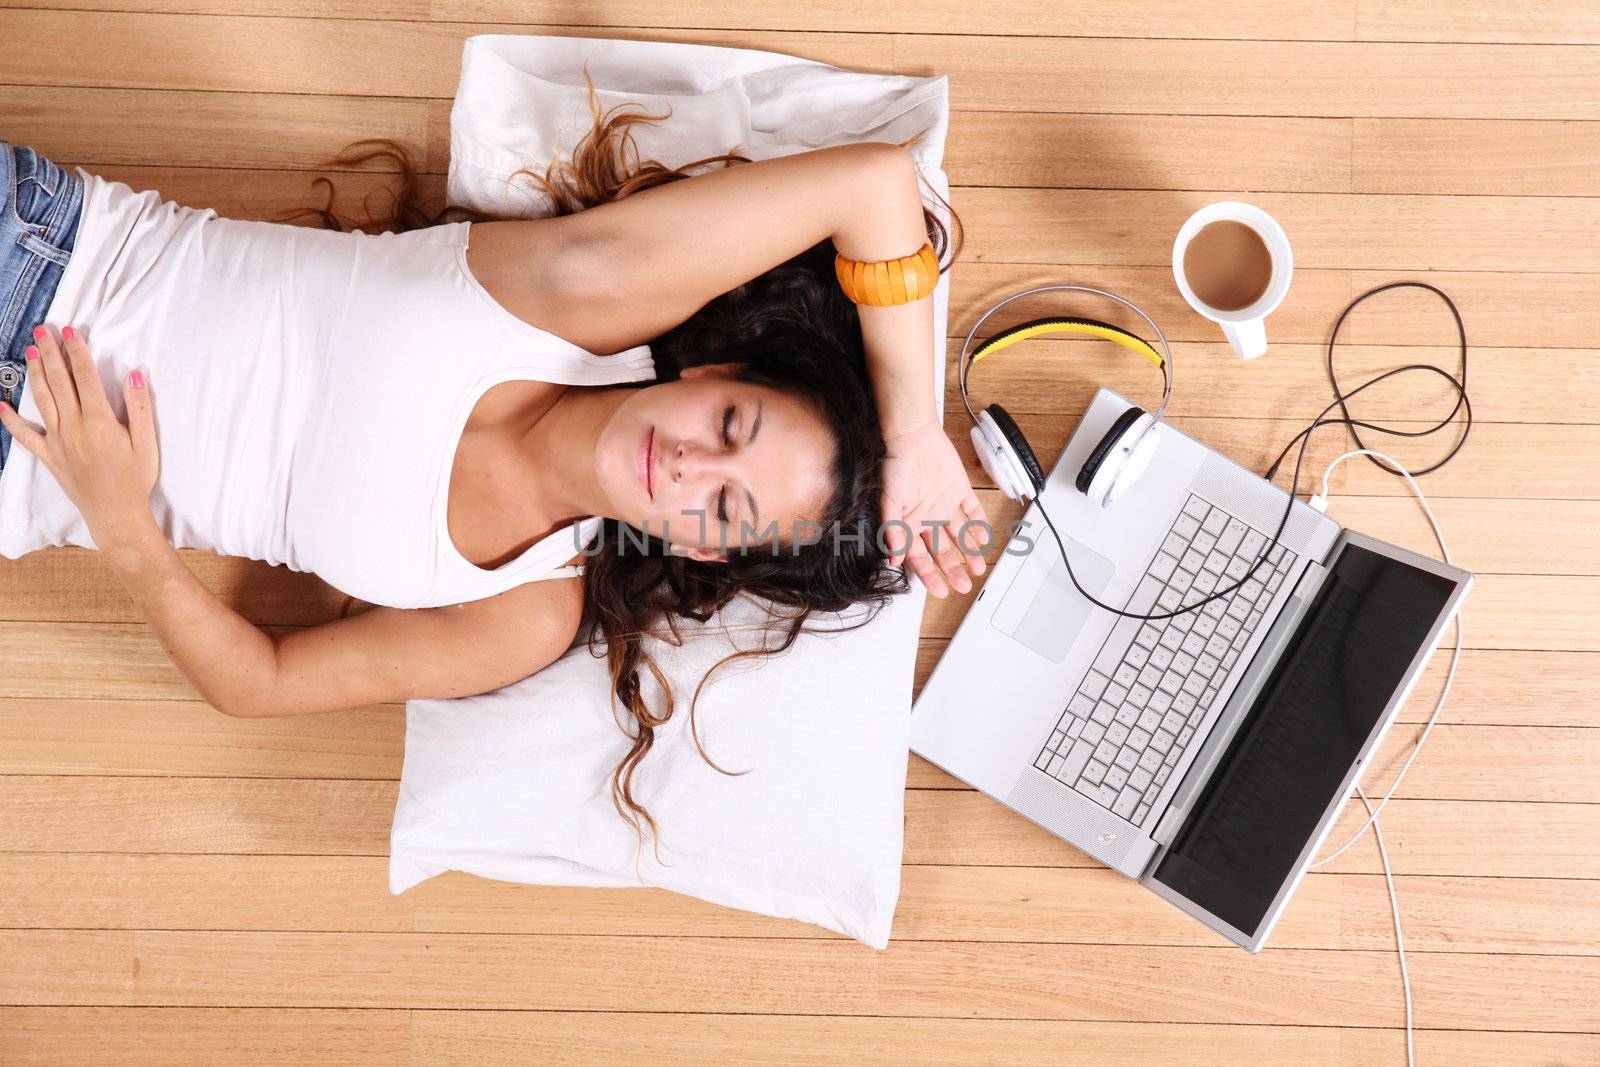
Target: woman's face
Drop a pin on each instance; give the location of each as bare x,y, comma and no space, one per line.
695,460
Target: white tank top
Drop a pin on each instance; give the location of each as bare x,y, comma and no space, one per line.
310,389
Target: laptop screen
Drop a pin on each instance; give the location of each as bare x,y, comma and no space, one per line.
1290,756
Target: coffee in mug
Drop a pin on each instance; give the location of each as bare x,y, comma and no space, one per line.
1227,265
1232,264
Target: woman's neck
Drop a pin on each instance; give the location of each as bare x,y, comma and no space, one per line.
559,447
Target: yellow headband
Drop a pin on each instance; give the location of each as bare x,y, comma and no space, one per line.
1092,327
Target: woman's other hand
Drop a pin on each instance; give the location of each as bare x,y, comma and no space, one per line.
105,467
925,486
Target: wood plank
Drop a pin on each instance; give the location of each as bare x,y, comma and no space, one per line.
998,73
119,736
162,128
1326,230
1493,687
320,56
1565,22
973,1041
1442,837
1534,310
802,975
160,1037
1077,905
201,815
1487,158
1535,612
1258,77
239,816
1292,19
1089,151
157,127
164,1037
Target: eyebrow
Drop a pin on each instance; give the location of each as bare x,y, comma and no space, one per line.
755,428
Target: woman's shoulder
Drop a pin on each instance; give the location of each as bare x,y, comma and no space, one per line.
536,614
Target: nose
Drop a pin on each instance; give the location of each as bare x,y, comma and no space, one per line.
692,463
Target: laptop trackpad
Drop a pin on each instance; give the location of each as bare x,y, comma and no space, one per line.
1042,609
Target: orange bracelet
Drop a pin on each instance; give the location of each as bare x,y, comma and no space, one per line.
885,282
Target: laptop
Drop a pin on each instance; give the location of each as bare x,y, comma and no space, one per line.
1206,755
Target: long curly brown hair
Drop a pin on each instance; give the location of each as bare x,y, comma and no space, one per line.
791,328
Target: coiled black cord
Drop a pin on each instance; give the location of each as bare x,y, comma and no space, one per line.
1340,401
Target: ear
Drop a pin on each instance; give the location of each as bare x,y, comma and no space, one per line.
703,370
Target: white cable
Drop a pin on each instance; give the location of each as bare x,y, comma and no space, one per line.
1394,909
1320,502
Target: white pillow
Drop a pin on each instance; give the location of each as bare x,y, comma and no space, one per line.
516,784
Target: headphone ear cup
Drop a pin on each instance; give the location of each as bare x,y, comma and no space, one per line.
1120,458
1019,446
1105,448
1005,454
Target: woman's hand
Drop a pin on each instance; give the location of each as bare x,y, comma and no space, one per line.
926,487
107,469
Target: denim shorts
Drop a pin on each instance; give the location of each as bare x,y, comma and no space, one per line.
39,222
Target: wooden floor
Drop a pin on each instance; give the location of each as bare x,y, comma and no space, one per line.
181,887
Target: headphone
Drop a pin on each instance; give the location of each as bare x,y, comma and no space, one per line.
1117,460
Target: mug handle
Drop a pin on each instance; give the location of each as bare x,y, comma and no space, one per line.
1249,339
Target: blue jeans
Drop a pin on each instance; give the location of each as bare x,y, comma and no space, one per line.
38,224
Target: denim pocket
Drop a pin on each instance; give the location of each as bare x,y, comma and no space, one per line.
35,183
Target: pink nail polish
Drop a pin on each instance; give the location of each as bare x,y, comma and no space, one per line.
67,333
136,379
38,333
31,352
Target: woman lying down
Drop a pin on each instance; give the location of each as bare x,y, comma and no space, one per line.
423,418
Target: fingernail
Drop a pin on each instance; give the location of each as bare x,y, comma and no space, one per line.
136,379
67,334
38,333
31,352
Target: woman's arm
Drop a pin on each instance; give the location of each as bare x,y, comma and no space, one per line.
382,655
627,271
108,469
630,270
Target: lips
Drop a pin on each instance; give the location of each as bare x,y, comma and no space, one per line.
644,465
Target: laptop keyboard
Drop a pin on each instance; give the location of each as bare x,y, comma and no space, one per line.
1137,709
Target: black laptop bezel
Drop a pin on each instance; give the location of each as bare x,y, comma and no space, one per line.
1254,941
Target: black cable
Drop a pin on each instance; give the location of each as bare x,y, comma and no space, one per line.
1340,400
1461,384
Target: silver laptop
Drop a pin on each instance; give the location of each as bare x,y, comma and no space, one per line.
1209,754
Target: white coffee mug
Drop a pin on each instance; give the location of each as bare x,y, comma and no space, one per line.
1246,328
